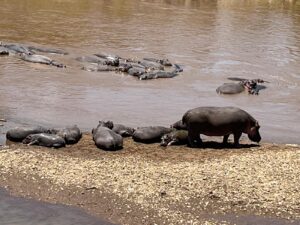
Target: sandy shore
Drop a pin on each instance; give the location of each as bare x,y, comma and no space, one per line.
149,184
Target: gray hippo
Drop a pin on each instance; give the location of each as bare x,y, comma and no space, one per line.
19,133
46,140
230,88
98,68
4,51
17,48
71,134
244,85
136,71
151,65
151,134
124,131
220,121
105,138
111,60
90,59
176,137
164,62
40,59
161,74
179,125
47,50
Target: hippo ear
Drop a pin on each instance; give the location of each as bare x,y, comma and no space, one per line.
257,125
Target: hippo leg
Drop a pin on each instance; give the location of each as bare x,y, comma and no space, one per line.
225,139
236,137
194,139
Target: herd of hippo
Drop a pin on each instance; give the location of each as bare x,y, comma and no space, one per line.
210,121
145,69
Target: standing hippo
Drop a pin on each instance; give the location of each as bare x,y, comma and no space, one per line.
19,133
220,121
176,137
71,134
105,138
150,134
46,140
124,131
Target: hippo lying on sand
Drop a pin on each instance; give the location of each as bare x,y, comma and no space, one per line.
220,121
19,133
105,138
71,134
150,134
176,137
46,140
124,131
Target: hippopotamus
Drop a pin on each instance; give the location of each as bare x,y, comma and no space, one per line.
70,134
105,138
230,88
47,50
111,60
91,59
124,131
4,51
161,74
17,48
164,62
136,71
19,133
40,59
176,137
220,121
244,85
46,140
151,65
179,125
150,134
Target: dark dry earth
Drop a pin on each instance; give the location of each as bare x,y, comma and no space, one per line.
149,184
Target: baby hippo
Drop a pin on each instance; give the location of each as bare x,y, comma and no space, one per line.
47,140
105,138
150,134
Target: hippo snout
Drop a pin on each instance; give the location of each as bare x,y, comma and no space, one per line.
255,137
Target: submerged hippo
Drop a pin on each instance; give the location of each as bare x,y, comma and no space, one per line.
4,51
47,50
151,134
176,137
40,59
105,138
19,133
17,48
111,60
71,134
220,121
124,131
46,140
161,74
151,65
230,88
164,62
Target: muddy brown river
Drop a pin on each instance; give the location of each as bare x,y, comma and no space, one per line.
212,40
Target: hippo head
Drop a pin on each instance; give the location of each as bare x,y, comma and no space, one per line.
167,140
109,124
253,134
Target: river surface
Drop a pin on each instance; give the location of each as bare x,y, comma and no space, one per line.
19,211
212,40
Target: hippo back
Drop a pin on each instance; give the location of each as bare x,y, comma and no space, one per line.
150,134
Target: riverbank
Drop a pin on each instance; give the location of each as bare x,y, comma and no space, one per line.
148,184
